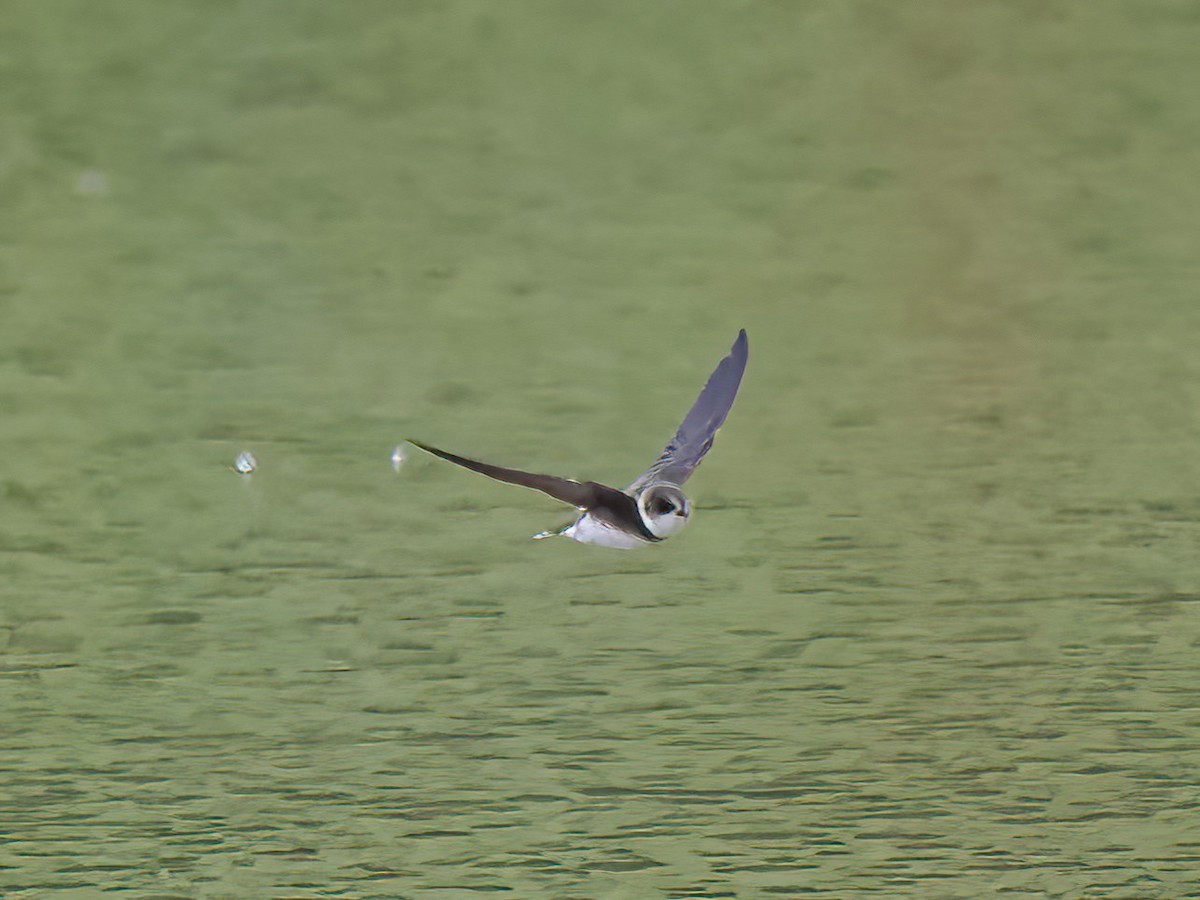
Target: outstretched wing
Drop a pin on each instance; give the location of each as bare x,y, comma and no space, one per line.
695,436
583,495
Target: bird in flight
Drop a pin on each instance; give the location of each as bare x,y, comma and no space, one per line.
653,507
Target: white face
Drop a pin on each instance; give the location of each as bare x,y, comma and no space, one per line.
664,508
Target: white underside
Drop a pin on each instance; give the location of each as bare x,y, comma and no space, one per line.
588,530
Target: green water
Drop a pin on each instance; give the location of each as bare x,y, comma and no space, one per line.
933,630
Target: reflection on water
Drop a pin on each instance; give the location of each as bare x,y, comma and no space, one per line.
932,628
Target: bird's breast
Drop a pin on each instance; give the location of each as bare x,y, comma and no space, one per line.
590,530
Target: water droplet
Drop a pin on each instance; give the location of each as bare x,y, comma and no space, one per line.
91,181
245,463
399,457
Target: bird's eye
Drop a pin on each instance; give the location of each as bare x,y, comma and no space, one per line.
663,506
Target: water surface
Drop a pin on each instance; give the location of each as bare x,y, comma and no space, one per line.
933,629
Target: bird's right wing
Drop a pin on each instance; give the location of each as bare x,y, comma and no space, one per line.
583,495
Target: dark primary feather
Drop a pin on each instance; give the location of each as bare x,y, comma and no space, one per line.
582,495
695,434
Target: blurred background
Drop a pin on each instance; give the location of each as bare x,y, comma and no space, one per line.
932,629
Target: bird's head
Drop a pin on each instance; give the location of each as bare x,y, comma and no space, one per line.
664,509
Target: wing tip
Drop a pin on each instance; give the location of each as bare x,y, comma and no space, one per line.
434,451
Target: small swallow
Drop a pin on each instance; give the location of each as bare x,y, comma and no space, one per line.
653,507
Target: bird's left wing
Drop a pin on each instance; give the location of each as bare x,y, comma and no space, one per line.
695,434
